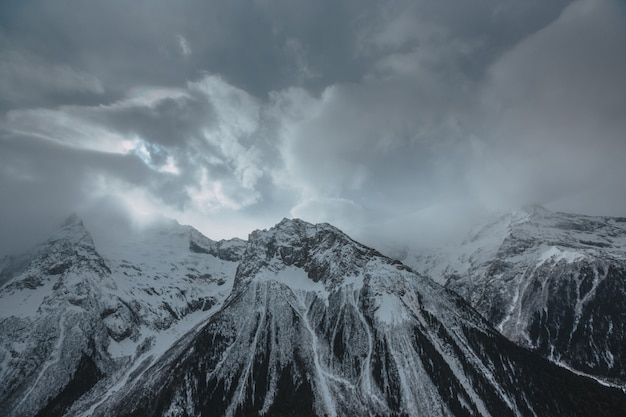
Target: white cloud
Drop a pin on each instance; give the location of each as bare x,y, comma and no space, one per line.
64,127
183,44
72,125
217,167
235,134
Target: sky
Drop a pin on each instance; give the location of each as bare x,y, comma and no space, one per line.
397,121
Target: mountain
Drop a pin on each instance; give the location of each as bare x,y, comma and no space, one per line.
553,282
73,319
318,324
300,320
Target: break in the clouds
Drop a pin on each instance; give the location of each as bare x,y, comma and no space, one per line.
395,120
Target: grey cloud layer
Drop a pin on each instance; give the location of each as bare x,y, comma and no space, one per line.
395,120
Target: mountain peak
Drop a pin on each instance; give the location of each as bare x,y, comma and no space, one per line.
324,252
294,232
302,228
295,223
73,230
71,221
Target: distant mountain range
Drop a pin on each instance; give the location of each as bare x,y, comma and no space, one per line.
301,320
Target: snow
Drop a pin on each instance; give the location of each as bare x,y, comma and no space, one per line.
151,290
354,281
161,342
159,273
295,278
512,308
556,254
24,302
122,348
595,378
390,309
321,374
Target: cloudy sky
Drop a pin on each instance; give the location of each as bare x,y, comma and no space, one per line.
394,120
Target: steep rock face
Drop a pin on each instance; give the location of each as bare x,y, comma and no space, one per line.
74,320
553,282
320,325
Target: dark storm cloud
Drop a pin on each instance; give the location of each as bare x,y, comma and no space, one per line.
394,119
256,45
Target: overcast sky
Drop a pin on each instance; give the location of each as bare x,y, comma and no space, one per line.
394,120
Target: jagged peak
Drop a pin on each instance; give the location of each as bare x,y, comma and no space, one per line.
326,253
72,229
300,228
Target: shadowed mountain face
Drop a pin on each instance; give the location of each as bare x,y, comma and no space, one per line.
553,282
315,324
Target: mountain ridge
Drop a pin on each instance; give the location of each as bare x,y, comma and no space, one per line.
304,321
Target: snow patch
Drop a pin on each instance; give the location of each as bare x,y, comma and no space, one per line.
123,348
294,278
25,302
390,310
556,254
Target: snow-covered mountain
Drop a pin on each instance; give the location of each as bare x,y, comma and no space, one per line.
73,317
299,320
553,282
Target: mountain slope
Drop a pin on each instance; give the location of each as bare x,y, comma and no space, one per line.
318,324
74,320
553,282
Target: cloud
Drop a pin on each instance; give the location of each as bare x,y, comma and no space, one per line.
185,48
341,212
26,78
552,106
133,151
398,119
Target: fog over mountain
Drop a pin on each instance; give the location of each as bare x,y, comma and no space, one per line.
398,121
